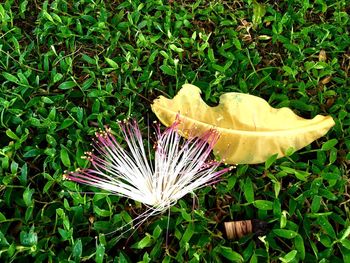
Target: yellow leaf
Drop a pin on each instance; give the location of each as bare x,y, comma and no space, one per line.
250,129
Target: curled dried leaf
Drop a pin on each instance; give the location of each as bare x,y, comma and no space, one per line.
250,129
322,56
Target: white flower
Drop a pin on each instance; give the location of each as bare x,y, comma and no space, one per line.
180,166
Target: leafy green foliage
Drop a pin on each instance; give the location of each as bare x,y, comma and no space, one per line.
70,67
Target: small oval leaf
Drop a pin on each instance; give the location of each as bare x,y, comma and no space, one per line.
100,252
263,204
65,157
285,233
329,144
67,85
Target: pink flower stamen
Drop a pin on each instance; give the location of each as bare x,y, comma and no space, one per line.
180,166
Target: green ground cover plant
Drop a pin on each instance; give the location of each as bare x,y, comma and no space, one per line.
68,68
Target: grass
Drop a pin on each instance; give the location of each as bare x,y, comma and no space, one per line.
70,67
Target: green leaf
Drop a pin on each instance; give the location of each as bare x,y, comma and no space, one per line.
112,63
146,258
276,187
259,11
12,135
66,123
89,59
102,212
14,167
327,194
218,68
231,255
23,6
285,233
100,252
289,257
35,122
167,70
175,48
123,258
3,240
270,161
29,238
333,155
57,77
329,144
301,175
51,140
47,100
52,114
156,232
283,219
345,254
185,215
67,85
211,55
12,248
237,43
97,93
27,196
326,226
29,213
345,234
263,204
188,233
144,242
10,77
253,259
290,151
289,71
88,83
48,16
64,157
152,57
345,243
77,249
47,186
65,234
249,190
299,245
32,153
24,174
316,204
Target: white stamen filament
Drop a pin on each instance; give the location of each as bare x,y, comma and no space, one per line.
180,167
